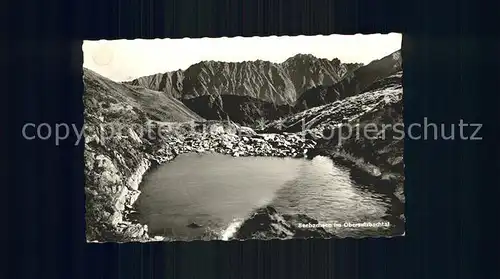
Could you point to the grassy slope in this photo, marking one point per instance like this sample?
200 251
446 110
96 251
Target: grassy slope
156 105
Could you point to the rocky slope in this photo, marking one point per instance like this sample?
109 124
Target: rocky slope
116 155
341 130
352 83
277 83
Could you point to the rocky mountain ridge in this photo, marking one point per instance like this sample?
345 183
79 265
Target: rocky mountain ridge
277 83
247 92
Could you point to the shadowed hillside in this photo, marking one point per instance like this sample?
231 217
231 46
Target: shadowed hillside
240 109
352 83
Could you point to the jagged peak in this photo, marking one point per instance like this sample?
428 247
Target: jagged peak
355 64
396 55
301 57
211 63
336 61
296 57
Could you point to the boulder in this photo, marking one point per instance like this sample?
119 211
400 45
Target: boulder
268 223
246 131
194 225
134 231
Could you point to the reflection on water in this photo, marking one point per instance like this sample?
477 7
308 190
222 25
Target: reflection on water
214 190
325 192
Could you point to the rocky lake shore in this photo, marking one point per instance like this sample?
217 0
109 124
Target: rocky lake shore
116 221
178 138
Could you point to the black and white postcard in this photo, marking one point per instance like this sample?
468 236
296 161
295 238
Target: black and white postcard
244 138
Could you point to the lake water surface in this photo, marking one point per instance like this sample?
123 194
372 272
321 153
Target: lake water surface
219 191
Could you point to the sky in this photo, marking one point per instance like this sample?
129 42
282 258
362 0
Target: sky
122 60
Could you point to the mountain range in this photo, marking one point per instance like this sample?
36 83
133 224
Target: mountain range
278 83
248 91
